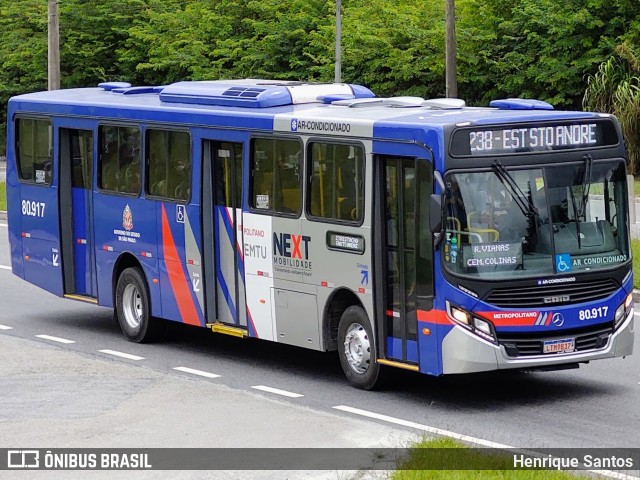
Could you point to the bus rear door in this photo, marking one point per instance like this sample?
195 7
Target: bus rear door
76 154
222 231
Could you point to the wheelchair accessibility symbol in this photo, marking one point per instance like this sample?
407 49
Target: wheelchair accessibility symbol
180 213
563 263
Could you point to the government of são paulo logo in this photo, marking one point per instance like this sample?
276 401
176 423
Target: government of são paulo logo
127 218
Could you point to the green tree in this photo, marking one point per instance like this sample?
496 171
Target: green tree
181 40
615 88
90 33
23 50
537 48
394 50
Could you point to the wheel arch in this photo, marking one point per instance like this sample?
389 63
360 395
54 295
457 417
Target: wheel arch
124 261
339 300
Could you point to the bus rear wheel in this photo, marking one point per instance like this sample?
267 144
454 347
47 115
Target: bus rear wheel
133 308
357 349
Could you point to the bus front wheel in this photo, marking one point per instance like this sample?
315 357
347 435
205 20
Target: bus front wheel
133 308
357 349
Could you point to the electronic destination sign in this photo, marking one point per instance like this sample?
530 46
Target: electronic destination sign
515 139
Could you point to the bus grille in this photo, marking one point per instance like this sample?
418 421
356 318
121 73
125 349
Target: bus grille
527 344
552 295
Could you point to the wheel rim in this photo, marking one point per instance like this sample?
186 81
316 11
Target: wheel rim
357 348
132 306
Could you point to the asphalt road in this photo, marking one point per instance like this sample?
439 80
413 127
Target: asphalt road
595 406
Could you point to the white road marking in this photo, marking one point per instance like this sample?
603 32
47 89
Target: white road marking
277 391
196 372
55 339
5 267
424 428
120 354
5 327
463 438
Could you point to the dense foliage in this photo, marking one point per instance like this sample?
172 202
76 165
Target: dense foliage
529 48
615 88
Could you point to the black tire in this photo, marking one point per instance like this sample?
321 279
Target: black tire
357 350
133 309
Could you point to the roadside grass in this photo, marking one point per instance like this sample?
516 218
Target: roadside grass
3 196
453 454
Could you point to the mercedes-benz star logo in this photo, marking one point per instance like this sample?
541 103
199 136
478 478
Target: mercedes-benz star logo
557 319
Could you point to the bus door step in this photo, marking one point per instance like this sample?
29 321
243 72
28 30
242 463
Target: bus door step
81 298
406 366
227 329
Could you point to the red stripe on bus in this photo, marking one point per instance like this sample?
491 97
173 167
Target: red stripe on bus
438 317
179 285
230 218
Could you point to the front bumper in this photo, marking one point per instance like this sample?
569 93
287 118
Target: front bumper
464 352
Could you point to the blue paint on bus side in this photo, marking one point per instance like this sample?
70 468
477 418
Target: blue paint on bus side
394 349
41 247
223 236
81 242
14 199
182 289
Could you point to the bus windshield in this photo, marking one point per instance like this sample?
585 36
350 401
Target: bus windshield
536 221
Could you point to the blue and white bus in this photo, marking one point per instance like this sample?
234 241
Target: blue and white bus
401 232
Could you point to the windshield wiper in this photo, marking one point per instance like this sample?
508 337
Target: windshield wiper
586 184
522 200
575 211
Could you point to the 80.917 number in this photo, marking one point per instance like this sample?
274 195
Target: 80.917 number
31 208
593 313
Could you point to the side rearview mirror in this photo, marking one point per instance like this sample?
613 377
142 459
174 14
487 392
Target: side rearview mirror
435 213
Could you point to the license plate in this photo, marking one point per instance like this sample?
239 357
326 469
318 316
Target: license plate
559 346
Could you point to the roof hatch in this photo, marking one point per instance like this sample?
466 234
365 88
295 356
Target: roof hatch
257 93
520 104
402 102
108 86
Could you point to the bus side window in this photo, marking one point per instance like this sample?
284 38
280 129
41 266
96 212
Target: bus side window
34 145
119 159
337 173
168 164
277 174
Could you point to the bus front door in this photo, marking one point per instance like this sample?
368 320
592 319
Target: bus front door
222 227
405 262
76 208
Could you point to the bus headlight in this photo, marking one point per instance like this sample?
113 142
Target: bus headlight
460 316
623 310
481 327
